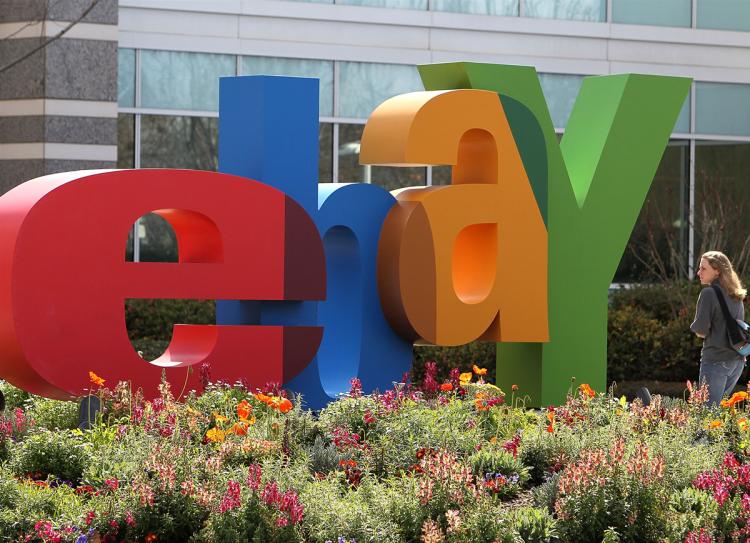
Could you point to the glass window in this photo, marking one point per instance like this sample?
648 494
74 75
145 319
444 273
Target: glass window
722 108
561 92
441 175
351 171
650 12
579 10
724 14
364 86
322 69
179 142
722 208
487 7
657 249
406 4
682 125
177 80
325 161
126 77
125 141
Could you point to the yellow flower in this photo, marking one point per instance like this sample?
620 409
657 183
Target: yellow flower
465 377
215 435
220 419
95 379
715 424
478 370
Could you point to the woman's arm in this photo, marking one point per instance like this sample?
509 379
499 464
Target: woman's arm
703 309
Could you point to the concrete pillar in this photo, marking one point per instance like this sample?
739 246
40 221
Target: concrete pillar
58 107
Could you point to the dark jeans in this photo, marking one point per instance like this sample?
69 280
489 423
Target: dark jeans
721 377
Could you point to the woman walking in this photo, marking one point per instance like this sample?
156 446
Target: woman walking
721 366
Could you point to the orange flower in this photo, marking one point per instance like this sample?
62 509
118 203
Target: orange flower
480 401
150 538
514 388
715 424
736 398
446 387
465 378
95 379
742 424
243 410
551 427
478 370
215 435
239 429
284 405
551 419
263 398
586 390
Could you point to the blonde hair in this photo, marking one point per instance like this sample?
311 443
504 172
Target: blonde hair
727 276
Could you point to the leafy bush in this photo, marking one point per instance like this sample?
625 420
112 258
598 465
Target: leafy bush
649 335
53 414
502 474
534 525
14 397
45 453
481 353
616 489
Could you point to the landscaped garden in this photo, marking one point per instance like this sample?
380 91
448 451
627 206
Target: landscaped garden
454 460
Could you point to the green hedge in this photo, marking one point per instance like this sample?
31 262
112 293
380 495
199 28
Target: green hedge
648 334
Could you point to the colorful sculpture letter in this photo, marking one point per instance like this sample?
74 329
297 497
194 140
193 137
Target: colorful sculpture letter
598 178
64 279
449 267
269 131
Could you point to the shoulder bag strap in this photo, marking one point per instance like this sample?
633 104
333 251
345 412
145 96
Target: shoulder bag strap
732 327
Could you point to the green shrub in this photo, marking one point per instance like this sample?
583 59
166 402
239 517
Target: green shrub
534 525
155 318
45 453
481 353
53 414
691 509
543 452
28 503
616 488
14 397
503 474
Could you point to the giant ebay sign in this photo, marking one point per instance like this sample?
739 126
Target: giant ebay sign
318 283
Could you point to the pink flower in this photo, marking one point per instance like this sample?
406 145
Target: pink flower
254 474
231 499
356 387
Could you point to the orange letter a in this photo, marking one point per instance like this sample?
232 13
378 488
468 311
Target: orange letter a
466 261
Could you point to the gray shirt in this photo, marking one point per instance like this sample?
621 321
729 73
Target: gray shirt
710 322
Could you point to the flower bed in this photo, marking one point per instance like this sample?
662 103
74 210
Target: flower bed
452 461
